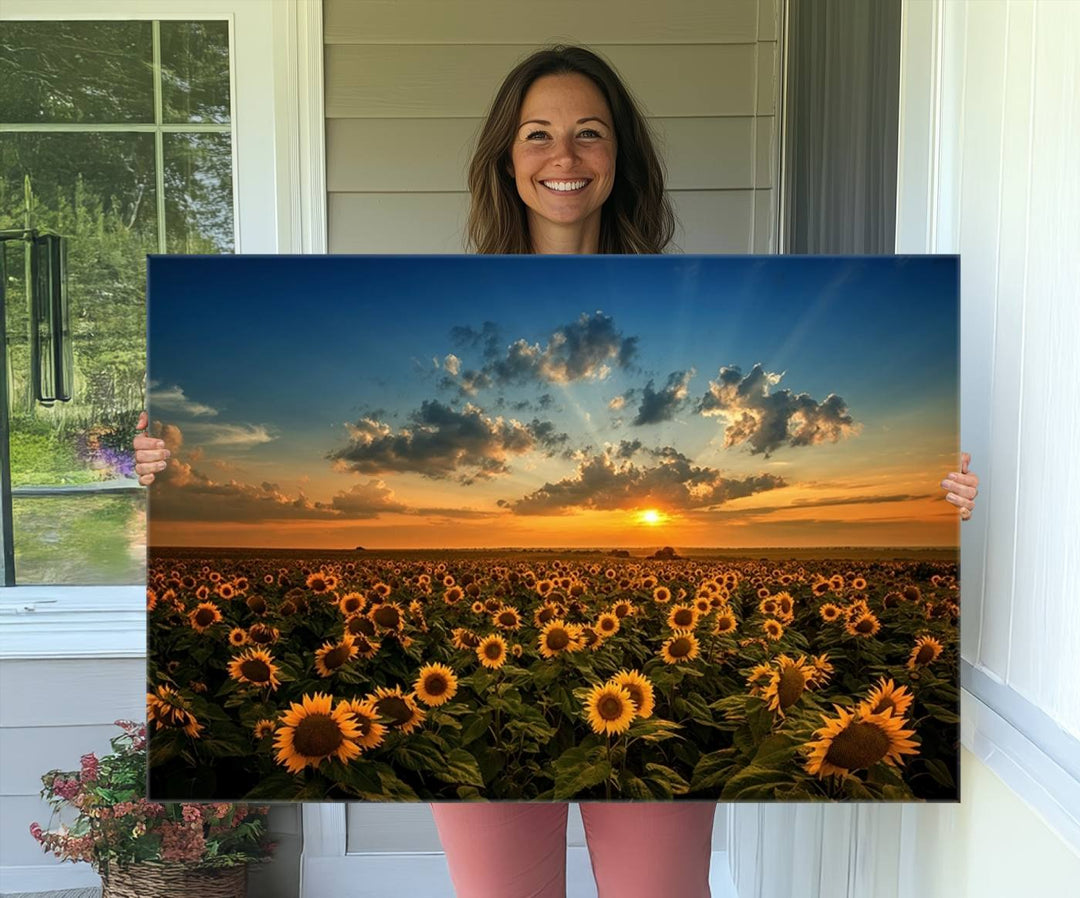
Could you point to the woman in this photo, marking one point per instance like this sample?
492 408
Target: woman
565 164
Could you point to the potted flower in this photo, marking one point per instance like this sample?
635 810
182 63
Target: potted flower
142 847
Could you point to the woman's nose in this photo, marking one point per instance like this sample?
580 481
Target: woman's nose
564 150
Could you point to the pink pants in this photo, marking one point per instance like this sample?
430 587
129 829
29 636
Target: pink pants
638 850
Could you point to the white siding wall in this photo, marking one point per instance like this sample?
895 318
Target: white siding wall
408 83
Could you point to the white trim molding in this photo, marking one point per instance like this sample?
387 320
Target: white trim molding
39 622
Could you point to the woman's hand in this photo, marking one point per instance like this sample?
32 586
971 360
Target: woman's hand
961 487
150 454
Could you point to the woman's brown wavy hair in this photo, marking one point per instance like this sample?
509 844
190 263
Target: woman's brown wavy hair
637 216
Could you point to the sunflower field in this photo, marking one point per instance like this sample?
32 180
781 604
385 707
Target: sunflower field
516 676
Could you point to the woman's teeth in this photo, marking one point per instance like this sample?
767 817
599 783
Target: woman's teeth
564 186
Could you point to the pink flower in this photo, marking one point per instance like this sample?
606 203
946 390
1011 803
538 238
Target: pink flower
36 832
65 788
192 813
89 767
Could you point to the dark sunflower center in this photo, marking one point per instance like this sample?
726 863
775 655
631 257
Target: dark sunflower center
204 617
865 625
256 670
610 707
637 696
791 685
558 639
507 619
318 585
684 617
337 656
680 647
352 605
316 736
363 723
493 651
435 684
858 746
724 623
260 635
394 709
883 705
607 624
360 625
257 604
545 615
621 610
926 653
386 616
470 639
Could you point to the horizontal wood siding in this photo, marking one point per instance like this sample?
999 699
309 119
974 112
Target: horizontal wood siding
408 83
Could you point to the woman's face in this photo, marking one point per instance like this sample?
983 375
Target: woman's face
563 154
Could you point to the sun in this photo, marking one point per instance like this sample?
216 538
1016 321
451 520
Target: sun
650 516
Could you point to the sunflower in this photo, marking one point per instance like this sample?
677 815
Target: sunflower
866 625
312 731
640 689
661 594
255 666
358 625
351 603
822 670
886 695
859 583
507 618
682 645
256 604
477 607
435 684
773 629
830 612
335 655
225 590
558 636
264 728
787 684
607 624
492 651
622 609
725 623
610 709
398 708
820 587
857 740
389 615
545 614
453 595
926 651
319 583
703 605
238 636
836 582
366 717
261 634
167 707
382 590
682 617
760 673
462 638
204 616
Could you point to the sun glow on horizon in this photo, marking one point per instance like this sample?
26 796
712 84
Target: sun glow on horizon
652 517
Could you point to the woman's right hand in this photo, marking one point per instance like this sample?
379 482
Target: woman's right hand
150 453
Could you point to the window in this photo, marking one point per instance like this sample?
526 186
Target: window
117 136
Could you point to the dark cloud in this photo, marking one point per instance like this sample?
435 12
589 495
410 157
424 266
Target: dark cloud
585 349
661 405
442 442
768 420
608 481
823 503
366 500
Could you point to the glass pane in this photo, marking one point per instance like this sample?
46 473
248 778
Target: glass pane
76 72
198 193
81 540
195 71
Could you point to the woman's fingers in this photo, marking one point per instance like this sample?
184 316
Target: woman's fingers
150 453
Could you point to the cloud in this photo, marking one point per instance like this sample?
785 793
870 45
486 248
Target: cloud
584 349
452 364
366 500
610 481
234 435
766 421
617 403
661 405
172 402
797 504
442 442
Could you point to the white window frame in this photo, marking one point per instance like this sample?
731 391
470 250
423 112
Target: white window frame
279 198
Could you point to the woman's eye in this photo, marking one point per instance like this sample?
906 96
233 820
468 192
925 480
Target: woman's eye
589 132
536 135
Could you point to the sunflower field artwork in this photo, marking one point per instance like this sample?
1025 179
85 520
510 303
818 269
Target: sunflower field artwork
553 528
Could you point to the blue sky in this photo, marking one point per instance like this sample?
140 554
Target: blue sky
263 366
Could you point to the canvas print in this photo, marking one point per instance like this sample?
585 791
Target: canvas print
564 527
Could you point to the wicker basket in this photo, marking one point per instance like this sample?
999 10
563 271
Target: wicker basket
150 880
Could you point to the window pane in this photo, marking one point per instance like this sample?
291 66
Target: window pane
195 71
81 540
198 193
76 72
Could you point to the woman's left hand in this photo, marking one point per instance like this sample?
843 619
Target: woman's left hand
961 488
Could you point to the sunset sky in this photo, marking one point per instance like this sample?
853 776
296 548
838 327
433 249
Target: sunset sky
469 401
